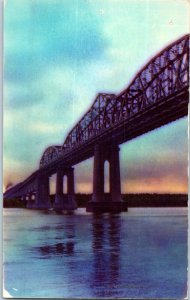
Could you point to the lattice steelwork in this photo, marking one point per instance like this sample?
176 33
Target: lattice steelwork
92 122
166 74
50 154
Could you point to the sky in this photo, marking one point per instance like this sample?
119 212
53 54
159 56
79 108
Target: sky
58 54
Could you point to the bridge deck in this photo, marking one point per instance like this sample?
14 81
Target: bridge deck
157 96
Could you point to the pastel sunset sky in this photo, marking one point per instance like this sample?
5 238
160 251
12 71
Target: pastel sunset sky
58 54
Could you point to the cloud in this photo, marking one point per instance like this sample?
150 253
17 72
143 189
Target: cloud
45 128
60 54
14 170
167 184
46 33
165 141
138 30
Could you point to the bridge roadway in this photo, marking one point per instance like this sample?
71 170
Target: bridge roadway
157 96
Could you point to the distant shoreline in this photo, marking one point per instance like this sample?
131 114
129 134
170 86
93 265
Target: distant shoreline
133 200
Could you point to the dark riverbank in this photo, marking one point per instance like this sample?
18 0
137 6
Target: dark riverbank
133 200
156 200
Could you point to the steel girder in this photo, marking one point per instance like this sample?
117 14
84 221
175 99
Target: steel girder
157 95
165 74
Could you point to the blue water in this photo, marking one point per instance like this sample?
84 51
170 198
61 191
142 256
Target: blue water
81 255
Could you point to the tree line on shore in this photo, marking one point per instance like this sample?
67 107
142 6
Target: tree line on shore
133 200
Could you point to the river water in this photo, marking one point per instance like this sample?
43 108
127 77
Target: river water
138 254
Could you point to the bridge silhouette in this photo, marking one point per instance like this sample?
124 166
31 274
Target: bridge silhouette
158 95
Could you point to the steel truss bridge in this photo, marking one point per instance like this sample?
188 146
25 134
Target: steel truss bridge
158 94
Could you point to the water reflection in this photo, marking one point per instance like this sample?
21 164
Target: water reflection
106 251
114 240
60 248
65 234
95 256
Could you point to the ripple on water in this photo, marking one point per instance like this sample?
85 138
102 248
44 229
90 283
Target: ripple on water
85 255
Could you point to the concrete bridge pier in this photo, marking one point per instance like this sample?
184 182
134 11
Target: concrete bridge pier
71 203
117 204
99 202
98 175
58 204
65 201
42 200
31 200
27 198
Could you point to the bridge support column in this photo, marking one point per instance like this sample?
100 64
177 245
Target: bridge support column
65 201
115 181
42 200
58 204
98 175
100 202
27 199
31 201
71 205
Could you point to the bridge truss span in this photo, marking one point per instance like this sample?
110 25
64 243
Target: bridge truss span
158 94
93 121
50 154
165 75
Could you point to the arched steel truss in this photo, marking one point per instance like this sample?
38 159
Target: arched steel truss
50 154
165 74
